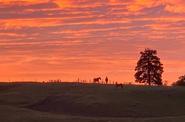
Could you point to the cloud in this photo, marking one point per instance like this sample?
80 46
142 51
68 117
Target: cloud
19 23
86 38
60 3
172 6
63 3
22 1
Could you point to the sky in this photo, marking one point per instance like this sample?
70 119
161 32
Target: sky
71 39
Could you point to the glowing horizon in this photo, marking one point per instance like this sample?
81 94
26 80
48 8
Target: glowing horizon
71 39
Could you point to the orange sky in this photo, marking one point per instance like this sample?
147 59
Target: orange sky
67 39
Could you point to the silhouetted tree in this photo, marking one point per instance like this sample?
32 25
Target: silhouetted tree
180 82
149 68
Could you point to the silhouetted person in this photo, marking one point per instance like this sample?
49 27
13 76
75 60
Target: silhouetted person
106 80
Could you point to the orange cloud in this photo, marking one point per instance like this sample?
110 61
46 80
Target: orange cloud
60 3
20 1
63 3
95 37
19 23
138 5
174 6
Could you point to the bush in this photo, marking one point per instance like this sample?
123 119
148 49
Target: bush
180 82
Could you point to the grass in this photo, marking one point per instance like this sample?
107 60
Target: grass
72 102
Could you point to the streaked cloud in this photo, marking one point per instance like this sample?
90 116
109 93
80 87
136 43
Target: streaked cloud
80 38
173 6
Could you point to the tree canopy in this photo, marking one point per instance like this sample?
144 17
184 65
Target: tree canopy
149 69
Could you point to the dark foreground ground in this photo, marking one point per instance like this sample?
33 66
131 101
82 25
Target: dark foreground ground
71 102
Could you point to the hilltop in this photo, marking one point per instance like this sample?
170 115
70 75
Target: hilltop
90 102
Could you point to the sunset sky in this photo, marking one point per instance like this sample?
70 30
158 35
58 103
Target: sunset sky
70 39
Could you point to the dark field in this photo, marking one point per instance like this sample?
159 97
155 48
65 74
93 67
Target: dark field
72 102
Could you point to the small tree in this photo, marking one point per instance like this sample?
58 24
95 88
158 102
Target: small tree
149 68
180 82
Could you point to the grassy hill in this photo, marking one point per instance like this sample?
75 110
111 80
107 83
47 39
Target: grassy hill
72 102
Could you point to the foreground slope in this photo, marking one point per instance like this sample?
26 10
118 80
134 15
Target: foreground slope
90 102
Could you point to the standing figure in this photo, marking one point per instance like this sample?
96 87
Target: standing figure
106 80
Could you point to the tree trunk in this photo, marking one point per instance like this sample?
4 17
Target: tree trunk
149 77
